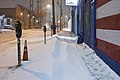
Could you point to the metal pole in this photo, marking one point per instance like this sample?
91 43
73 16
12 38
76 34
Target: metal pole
61 15
51 32
57 23
44 37
38 5
40 11
19 52
53 10
49 20
30 13
30 16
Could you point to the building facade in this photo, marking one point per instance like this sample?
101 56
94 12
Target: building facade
11 15
97 23
108 32
7 16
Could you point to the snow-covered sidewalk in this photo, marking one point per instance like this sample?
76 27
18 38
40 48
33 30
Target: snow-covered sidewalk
61 59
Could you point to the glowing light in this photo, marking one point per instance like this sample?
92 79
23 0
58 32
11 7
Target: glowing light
21 13
66 16
3 15
58 21
37 21
33 16
48 6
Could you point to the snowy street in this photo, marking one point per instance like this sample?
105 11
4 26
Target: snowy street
8 47
60 59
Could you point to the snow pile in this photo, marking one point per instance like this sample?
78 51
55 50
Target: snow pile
67 39
65 64
66 29
5 30
95 65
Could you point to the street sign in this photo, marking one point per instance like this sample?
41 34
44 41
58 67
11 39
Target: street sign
71 2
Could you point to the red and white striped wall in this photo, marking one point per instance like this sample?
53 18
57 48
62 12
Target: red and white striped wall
108 28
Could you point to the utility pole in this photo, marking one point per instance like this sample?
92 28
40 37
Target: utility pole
61 15
49 19
57 24
53 11
30 13
31 5
38 12
64 21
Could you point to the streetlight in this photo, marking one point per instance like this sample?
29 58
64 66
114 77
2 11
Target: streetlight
37 21
3 15
57 24
33 17
22 18
58 21
66 16
66 20
21 13
28 18
48 9
28 15
48 6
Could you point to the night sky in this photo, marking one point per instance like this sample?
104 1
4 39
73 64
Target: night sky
26 3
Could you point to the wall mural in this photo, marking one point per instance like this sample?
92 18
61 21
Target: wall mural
87 21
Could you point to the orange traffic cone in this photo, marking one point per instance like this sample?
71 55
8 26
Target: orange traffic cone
25 53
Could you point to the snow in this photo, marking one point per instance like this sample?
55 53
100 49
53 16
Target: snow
66 29
67 39
5 30
96 66
60 59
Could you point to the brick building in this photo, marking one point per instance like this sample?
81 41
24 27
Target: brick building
18 13
108 32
